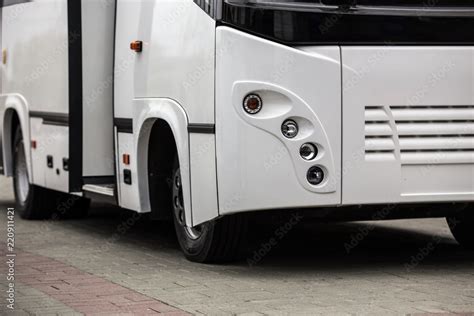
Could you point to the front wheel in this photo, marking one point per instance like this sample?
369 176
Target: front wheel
221 240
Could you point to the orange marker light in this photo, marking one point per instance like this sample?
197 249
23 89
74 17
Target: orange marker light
137 46
33 144
126 159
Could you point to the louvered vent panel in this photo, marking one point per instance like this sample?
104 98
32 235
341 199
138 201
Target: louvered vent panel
435 134
379 141
420 134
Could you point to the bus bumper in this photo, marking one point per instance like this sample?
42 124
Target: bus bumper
391 124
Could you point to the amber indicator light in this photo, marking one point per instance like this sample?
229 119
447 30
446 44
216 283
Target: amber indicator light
137 46
126 159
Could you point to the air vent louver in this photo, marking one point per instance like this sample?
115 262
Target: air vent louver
420 134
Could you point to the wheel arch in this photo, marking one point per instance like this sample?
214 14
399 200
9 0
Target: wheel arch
162 151
16 114
162 114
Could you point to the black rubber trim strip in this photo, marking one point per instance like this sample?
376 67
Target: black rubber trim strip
50 118
74 12
53 123
124 125
202 128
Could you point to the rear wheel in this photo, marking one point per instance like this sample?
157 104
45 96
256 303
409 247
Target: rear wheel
33 202
221 240
462 227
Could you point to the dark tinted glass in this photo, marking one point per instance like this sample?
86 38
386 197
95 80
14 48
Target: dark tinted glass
418 3
399 22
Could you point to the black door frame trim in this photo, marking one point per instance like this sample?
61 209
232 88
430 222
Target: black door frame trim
74 12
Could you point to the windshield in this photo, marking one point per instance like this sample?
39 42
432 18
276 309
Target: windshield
355 22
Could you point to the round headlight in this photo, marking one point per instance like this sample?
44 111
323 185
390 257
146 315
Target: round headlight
289 128
253 104
308 151
315 175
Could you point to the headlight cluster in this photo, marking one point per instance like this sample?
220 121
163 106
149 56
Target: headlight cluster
253 104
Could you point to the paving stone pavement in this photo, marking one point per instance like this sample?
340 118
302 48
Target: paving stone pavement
398 267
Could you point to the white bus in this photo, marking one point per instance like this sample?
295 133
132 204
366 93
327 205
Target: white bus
209 111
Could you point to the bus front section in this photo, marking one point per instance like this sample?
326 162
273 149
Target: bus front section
330 103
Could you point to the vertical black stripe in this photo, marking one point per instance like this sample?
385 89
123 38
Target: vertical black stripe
74 8
115 137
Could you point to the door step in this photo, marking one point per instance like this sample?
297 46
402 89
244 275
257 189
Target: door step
101 192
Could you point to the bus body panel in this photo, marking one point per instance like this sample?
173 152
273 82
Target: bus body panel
127 20
37 156
178 59
145 113
35 72
408 117
54 143
175 69
35 39
98 33
128 194
258 168
202 160
126 29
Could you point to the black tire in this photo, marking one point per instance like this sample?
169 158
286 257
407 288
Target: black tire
36 203
218 241
462 227
32 202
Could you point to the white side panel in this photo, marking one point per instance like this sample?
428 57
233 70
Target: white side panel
203 177
178 56
51 141
38 156
35 36
257 167
408 124
127 28
98 22
146 111
55 140
128 194
35 75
